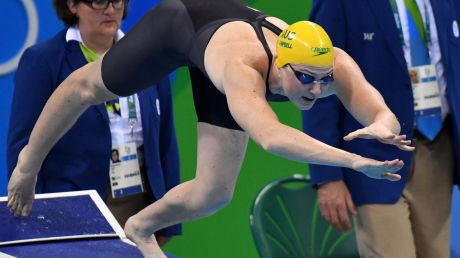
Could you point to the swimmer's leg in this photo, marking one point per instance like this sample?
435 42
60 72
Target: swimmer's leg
220 155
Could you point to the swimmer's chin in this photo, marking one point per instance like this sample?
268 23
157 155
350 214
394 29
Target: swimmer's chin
307 103
305 107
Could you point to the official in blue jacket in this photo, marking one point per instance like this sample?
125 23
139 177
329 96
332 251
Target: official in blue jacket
410 217
81 159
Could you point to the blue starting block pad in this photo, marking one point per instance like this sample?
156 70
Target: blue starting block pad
58 216
71 225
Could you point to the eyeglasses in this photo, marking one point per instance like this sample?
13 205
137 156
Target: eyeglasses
308 79
103 4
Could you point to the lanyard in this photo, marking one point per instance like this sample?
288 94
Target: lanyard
132 107
132 112
414 11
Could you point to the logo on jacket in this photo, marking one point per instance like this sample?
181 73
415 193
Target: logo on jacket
369 36
455 28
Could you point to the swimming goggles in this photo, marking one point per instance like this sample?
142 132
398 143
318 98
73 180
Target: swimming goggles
308 79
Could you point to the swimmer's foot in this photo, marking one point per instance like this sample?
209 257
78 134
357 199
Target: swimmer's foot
146 243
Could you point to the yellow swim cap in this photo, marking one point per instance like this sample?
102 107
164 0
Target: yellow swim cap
306 43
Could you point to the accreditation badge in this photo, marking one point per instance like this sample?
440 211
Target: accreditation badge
125 175
425 88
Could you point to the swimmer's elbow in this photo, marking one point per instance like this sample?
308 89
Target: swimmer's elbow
275 139
84 87
273 146
268 145
268 141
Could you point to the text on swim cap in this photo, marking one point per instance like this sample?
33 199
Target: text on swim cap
285 44
287 34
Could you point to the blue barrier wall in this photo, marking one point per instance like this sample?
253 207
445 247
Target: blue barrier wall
14 32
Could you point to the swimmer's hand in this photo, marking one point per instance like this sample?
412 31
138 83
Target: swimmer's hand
378 169
383 134
21 189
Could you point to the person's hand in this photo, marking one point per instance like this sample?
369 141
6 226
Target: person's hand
378 169
335 201
162 240
383 134
21 189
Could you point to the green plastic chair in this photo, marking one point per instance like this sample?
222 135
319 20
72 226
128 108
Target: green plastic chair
286 222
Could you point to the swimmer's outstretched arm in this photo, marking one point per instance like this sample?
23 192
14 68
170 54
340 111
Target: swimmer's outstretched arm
245 91
366 104
83 88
